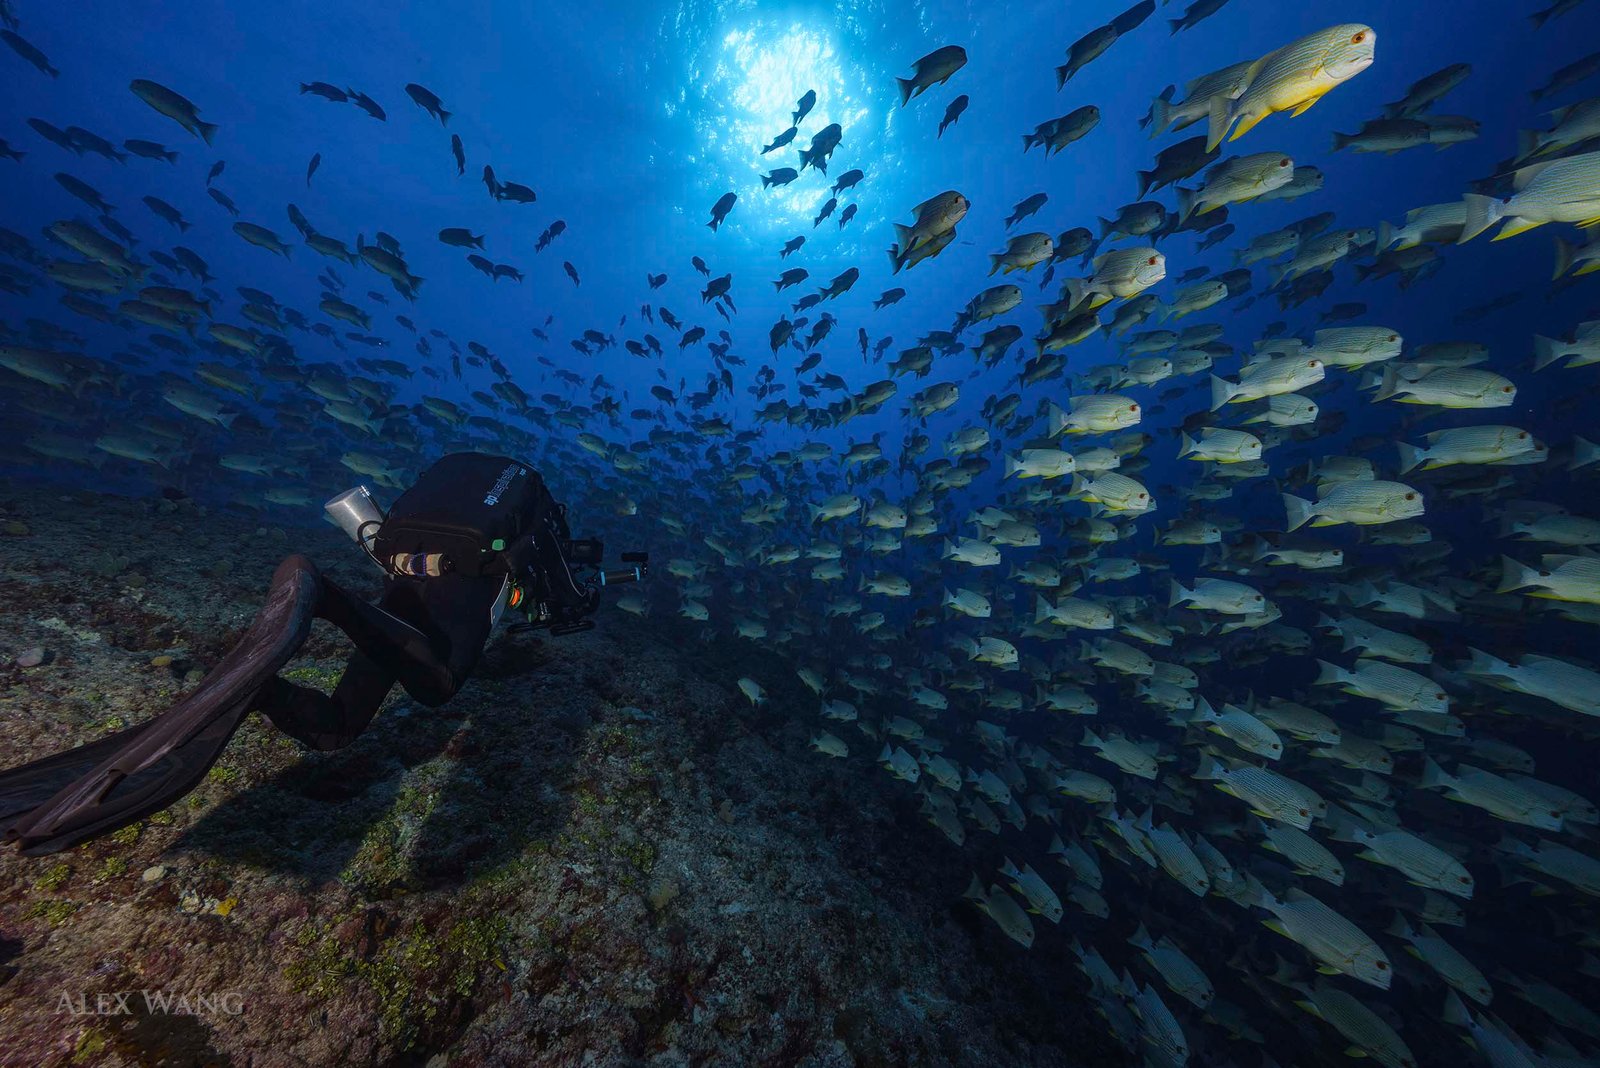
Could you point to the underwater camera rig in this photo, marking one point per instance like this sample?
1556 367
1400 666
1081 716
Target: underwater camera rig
473 514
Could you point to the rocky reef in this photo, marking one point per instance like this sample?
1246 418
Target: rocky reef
598 854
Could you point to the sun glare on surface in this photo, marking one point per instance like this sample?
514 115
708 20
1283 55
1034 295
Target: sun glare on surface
752 87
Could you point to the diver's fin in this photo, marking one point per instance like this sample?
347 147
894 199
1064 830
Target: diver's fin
25 788
145 768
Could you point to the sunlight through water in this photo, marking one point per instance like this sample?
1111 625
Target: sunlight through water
752 85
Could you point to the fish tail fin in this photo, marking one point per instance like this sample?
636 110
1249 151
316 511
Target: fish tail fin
995 260
1107 225
974 890
207 129
1455 1010
1389 385
1299 511
1527 144
1482 213
444 117
1041 612
1329 674
1385 235
1177 26
1546 351
1481 663
1063 73
1516 576
1222 391
1565 252
1410 455
1433 775
1186 445
1160 115
1178 594
1146 180
1186 202
1220 117
907 87
1584 452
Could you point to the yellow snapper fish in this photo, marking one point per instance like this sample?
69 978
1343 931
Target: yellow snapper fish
1373 640
1361 503
1221 446
1448 962
1338 945
1040 463
1564 190
1558 577
1394 686
1118 275
1182 975
1236 180
1042 901
1096 413
1267 378
1114 492
1367 1032
1239 727
1305 854
830 745
1124 753
1218 595
1292 79
1494 794
1003 910
1568 685
1269 794
1179 861
1499 445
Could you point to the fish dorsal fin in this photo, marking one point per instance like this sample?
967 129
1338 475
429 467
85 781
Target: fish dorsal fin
1523 175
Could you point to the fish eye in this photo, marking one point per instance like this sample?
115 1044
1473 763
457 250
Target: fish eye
1284 162
1394 337
1383 965
1438 697
1358 38
1303 812
1152 261
1506 389
1411 496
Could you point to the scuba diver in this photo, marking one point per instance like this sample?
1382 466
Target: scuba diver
474 535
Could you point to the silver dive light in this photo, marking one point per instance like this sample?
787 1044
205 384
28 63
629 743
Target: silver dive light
357 514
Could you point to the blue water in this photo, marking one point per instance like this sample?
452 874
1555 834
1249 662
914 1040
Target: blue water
631 120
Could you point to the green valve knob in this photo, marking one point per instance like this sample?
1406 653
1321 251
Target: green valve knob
498 544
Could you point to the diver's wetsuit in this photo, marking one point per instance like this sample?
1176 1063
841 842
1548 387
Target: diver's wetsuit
451 614
487 520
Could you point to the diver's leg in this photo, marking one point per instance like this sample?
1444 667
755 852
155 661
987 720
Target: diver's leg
328 721
426 634
460 608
